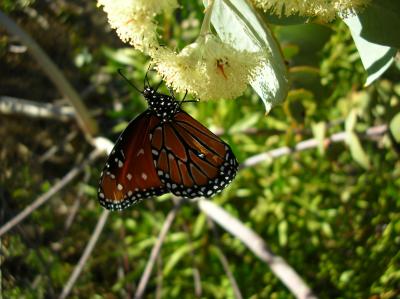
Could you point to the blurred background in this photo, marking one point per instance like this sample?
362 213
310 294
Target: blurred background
331 211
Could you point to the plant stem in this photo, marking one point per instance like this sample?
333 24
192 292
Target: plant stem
205 26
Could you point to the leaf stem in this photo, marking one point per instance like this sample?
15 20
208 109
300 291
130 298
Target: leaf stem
206 25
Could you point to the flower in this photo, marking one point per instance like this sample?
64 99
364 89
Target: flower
324 9
208 68
134 19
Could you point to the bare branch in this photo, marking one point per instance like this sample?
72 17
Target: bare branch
46 196
11 105
307 144
224 261
87 124
86 253
256 244
155 251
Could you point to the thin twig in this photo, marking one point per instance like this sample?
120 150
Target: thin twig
224 261
75 207
46 196
256 244
11 105
87 124
85 256
196 273
155 251
307 144
195 270
159 277
55 148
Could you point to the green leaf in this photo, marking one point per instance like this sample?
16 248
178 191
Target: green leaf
351 121
319 130
238 24
245 123
381 23
375 58
283 232
357 152
179 254
395 127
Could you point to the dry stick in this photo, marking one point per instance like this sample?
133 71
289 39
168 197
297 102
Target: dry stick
88 250
75 207
307 144
159 278
46 196
224 261
49 153
257 245
156 250
196 273
87 124
11 105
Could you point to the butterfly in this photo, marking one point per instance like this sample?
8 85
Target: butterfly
164 150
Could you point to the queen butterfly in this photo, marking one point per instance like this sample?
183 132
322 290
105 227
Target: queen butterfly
164 150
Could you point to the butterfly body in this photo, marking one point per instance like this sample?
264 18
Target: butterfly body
165 150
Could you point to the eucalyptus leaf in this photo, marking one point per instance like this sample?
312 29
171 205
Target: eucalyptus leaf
319 130
381 23
351 121
395 127
375 58
238 25
357 152
178 255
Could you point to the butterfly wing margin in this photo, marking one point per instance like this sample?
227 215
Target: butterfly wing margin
129 174
190 160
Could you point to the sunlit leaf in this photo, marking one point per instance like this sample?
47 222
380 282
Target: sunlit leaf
319 130
381 22
375 58
357 152
395 127
179 254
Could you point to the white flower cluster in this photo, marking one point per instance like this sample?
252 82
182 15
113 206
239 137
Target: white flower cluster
325 10
208 68
134 19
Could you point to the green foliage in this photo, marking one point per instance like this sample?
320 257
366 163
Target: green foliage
332 212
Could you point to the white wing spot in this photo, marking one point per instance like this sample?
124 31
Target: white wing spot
140 152
120 164
129 176
144 176
119 187
101 195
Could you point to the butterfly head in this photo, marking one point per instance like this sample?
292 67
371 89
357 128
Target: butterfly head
164 106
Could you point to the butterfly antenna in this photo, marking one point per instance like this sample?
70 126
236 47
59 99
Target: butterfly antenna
189 101
146 80
127 80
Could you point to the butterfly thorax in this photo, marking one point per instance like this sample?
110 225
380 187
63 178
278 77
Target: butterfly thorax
164 106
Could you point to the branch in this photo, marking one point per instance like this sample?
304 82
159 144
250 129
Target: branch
155 251
224 261
307 144
86 253
11 105
87 124
46 196
256 244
